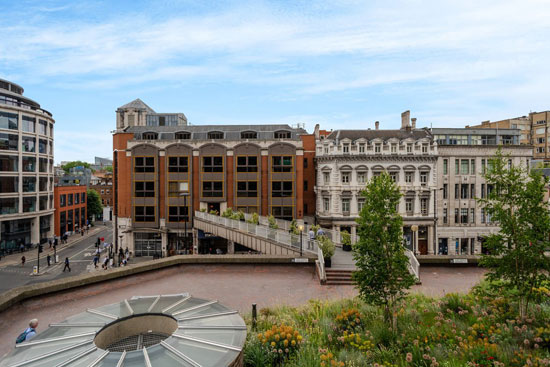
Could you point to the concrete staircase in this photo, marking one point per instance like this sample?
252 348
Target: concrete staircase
338 276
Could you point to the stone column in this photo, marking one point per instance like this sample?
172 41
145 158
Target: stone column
195 241
431 249
353 234
35 230
164 243
230 247
264 210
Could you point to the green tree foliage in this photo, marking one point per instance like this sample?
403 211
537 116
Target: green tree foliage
517 252
94 203
327 246
67 167
108 169
382 275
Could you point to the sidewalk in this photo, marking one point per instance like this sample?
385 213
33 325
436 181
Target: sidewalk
31 255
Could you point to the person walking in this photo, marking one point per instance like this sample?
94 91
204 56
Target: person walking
96 260
311 236
29 332
66 264
50 242
49 259
105 263
23 260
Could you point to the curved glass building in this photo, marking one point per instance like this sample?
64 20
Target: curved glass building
26 170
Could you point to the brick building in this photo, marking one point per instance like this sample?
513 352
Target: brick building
102 183
164 170
70 208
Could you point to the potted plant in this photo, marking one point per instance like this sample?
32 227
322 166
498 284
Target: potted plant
294 233
346 241
228 213
238 216
327 246
254 219
272 222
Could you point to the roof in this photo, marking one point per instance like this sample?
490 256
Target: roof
137 104
368 134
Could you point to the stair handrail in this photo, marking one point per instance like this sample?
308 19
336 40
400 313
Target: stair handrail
321 261
414 265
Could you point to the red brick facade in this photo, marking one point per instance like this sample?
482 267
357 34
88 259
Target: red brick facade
70 208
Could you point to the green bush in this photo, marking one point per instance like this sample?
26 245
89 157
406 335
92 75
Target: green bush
272 222
254 219
327 246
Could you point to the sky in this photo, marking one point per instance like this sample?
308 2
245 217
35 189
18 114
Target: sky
342 64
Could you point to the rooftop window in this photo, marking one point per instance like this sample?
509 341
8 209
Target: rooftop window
249 135
215 135
283 134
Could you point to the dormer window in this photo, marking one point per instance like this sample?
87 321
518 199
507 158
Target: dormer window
409 148
215 135
346 148
424 148
184 135
377 148
249 135
282 134
361 148
394 148
150 136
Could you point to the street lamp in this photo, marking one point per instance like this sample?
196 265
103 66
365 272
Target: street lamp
301 228
184 191
414 229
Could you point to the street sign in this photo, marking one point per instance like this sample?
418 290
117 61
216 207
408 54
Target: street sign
301 260
459 261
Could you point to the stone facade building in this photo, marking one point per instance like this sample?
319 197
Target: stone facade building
26 169
164 170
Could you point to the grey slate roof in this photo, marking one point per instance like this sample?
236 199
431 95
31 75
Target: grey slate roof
137 104
400 134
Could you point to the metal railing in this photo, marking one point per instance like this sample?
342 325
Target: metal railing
414 265
321 260
277 235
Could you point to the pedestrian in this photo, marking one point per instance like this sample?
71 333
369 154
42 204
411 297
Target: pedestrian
311 236
104 223
22 248
23 260
82 232
127 253
320 232
66 264
105 263
29 332
96 260
55 242
50 242
49 259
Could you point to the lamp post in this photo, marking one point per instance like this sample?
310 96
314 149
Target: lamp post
301 228
184 191
414 229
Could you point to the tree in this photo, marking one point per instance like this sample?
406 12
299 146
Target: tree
516 253
108 169
94 203
382 274
67 167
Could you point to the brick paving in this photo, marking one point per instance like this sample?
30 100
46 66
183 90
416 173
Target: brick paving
236 286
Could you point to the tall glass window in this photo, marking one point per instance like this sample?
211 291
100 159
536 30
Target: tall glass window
28 124
9 163
29 204
9 142
43 184
43 165
42 146
29 184
29 144
9 205
42 127
29 164
9 184
8 121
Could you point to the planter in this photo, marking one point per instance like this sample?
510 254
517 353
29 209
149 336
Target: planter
328 262
346 247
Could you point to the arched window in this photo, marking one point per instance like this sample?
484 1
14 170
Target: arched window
249 135
215 135
150 135
183 135
282 134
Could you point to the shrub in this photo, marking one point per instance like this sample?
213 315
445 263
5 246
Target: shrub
281 341
349 319
327 246
272 222
254 219
228 213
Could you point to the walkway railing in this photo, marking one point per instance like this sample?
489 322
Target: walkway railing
414 265
321 260
277 235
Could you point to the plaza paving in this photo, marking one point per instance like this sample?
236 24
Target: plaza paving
236 286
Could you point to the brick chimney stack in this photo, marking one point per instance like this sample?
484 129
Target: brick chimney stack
377 125
405 119
413 122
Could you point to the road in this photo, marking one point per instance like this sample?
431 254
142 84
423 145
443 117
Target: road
80 257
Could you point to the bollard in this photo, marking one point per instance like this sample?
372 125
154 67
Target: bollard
254 316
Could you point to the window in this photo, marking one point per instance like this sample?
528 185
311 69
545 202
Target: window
178 164
70 199
83 197
393 148
464 215
212 164
483 166
409 177
409 205
326 204
445 191
457 216
305 185
305 162
29 184
9 163
29 164
472 215
326 177
445 166
144 164
9 206
346 177
473 167
423 178
62 200
215 135
150 136
345 205
464 166
28 144
249 135
482 191
281 189
42 146
9 184
42 203
457 171
247 189
424 206
361 177
28 124
394 176
409 148
42 127
102 192
282 134
377 148
281 163
472 191
8 121
29 204
144 214
212 189
346 148
464 188
360 204
457 189
144 189
76 199
247 163
361 148
326 149
9 142
183 135
540 140
424 148
178 214
445 216
282 212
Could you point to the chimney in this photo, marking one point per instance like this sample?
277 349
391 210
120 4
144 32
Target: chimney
413 122
405 119
377 125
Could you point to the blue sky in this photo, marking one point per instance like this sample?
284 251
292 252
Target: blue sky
342 64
